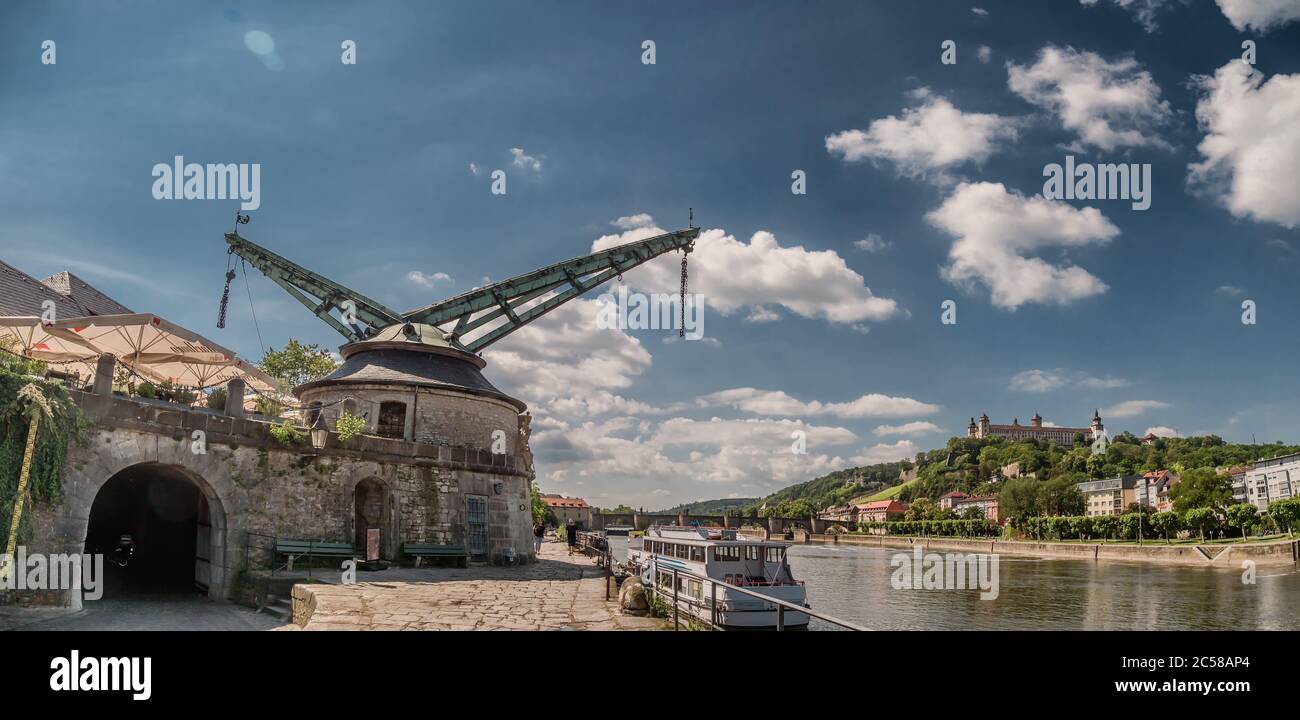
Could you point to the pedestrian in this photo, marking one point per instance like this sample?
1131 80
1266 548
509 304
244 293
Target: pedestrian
539 532
572 530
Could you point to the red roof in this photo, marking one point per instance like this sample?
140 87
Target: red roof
954 494
564 502
880 505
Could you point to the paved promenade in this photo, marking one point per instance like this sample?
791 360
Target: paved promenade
557 593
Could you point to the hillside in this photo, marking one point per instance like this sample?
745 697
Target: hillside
709 507
972 465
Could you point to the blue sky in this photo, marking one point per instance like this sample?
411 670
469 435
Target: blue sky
366 178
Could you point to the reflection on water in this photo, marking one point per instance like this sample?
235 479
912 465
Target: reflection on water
852 583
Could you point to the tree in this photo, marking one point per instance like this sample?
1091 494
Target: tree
921 509
1202 488
539 508
1166 523
972 513
1019 498
1285 513
1201 519
298 363
1243 516
1059 496
36 407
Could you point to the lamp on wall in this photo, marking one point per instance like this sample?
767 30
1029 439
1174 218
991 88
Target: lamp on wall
320 432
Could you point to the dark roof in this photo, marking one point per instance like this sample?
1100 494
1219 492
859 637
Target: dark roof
85 296
411 367
22 294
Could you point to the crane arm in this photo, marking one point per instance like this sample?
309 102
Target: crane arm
567 280
320 294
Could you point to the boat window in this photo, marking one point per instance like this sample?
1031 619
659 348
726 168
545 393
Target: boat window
774 554
724 553
697 553
683 551
751 552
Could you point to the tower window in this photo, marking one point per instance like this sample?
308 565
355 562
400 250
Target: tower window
392 420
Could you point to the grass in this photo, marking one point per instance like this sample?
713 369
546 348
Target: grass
888 493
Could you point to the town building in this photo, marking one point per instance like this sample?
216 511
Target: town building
950 500
1036 430
1271 480
841 513
565 509
1237 475
1111 496
987 504
881 510
69 295
1153 492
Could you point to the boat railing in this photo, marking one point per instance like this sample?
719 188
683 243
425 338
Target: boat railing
715 608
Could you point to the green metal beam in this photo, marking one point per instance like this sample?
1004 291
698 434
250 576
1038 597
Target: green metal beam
300 282
507 297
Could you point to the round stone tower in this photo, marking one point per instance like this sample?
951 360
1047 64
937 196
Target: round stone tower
410 383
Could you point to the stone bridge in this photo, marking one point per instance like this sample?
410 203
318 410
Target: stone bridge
772 525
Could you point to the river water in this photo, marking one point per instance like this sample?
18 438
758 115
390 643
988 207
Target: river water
853 583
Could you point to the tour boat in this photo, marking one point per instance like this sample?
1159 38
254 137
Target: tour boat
718 554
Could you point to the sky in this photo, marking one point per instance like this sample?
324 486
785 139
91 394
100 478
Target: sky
825 327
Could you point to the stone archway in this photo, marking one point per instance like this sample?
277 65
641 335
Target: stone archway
178 528
372 508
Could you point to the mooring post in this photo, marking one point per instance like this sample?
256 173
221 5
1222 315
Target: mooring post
105 366
235 398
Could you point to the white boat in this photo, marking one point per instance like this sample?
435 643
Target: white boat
759 566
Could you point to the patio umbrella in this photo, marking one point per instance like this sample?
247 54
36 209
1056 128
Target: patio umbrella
153 347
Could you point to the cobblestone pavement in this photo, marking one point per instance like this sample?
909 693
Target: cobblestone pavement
556 593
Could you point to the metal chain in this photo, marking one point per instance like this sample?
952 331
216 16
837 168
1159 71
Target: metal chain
681 327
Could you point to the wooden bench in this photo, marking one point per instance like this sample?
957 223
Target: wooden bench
433 550
312 548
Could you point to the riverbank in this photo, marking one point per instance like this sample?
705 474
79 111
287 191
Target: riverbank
1273 554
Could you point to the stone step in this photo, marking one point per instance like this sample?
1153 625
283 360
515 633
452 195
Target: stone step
279 606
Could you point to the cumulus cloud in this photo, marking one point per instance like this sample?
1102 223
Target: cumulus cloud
1108 105
1262 15
871 243
882 453
1143 10
428 279
524 161
1130 408
1251 147
981 12
1037 381
632 222
760 314
930 139
778 402
1162 431
918 427
732 274
996 229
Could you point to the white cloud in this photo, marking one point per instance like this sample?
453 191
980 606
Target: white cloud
473 168
1230 290
524 161
918 427
733 275
984 54
778 402
632 222
1045 380
760 314
871 243
1107 104
1262 15
1143 10
996 229
929 140
980 11
1130 408
1251 148
882 453
1162 431
428 280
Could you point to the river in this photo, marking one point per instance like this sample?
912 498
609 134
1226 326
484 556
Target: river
853 583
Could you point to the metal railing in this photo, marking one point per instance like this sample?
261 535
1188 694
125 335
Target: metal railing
716 610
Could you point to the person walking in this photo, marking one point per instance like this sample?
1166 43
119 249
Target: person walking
572 531
539 532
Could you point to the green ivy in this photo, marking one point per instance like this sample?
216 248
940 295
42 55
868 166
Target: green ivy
52 438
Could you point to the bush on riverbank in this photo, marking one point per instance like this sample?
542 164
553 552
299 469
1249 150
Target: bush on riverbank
945 528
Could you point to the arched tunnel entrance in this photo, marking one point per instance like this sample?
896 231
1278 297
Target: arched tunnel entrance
159 532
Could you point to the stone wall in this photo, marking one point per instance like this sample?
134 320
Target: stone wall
258 489
435 417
